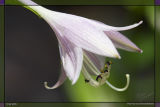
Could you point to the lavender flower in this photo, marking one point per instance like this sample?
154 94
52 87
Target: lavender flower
84 44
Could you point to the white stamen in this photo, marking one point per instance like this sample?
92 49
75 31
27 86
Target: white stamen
91 65
88 77
120 89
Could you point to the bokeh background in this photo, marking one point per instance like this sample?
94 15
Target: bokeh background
32 57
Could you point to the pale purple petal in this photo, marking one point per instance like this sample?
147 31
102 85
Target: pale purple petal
79 63
97 43
123 28
98 61
85 36
72 59
28 2
60 81
120 41
52 16
105 27
77 30
84 33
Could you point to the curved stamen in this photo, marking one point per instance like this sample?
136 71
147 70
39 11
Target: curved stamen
89 78
91 65
120 89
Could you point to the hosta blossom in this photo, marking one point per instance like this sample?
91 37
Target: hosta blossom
84 44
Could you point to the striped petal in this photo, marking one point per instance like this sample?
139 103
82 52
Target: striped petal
120 41
79 31
84 35
97 60
72 58
60 81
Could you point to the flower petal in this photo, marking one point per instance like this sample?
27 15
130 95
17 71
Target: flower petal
124 28
28 2
86 36
120 41
60 81
86 33
72 59
79 30
93 63
105 27
98 61
48 15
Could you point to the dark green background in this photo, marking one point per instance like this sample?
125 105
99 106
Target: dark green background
1 53
87 2
157 57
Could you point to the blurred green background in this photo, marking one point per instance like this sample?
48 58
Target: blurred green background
87 2
80 104
32 57
1 53
157 58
